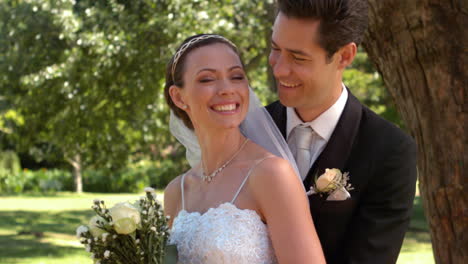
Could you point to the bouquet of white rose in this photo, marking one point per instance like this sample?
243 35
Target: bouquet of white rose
128 233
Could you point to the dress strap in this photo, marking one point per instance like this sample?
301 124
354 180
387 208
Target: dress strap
247 177
182 190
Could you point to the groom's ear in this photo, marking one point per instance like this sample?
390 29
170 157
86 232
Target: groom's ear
177 97
346 55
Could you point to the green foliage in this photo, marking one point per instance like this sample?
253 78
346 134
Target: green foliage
88 72
40 181
246 22
9 162
129 179
9 165
86 77
132 178
367 85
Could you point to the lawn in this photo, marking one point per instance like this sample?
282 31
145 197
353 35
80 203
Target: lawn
41 230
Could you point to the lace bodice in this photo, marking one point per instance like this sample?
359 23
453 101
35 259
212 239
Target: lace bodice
225 234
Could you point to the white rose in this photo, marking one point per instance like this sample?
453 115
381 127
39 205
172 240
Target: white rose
126 218
80 230
326 182
95 230
137 205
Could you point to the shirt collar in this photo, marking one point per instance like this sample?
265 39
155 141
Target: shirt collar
325 123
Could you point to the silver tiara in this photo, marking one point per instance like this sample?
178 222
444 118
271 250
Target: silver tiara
184 47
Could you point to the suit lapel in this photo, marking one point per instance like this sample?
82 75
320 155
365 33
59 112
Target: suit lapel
339 146
278 114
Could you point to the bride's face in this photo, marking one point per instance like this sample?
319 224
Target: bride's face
216 88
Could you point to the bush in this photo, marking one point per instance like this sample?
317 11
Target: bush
124 180
47 181
165 171
132 178
11 182
40 181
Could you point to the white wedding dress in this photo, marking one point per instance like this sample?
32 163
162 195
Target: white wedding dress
225 234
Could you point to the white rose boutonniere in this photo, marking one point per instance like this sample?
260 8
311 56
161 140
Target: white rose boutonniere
333 183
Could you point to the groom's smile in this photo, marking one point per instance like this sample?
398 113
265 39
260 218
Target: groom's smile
306 77
289 85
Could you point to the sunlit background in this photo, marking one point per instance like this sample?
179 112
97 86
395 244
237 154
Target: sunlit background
81 98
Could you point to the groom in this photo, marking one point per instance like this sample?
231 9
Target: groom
313 41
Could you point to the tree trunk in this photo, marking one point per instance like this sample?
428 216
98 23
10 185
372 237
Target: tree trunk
420 48
77 167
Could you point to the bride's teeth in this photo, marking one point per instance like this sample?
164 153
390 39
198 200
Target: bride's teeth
224 108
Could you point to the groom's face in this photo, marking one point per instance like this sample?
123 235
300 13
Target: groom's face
306 79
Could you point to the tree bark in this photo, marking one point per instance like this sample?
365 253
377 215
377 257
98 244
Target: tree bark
77 168
420 48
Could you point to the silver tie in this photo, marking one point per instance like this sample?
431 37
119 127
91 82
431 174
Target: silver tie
304 136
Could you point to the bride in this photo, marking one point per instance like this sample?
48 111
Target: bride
239 203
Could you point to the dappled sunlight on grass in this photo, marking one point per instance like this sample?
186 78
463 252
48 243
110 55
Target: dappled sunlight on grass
63 201
62 240
30 249
57 222
417 247
41 229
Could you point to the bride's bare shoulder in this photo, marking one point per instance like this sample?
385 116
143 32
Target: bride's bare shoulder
173 187
172 196
274 172
274 166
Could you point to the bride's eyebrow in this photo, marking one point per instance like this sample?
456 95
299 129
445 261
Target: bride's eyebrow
235 67
206 69
213 70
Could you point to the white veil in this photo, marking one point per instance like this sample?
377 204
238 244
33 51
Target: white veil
258 126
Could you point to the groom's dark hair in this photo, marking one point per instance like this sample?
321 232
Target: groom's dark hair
341 21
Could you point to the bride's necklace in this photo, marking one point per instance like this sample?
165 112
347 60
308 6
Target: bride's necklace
209 178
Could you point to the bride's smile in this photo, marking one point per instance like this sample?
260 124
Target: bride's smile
236 191
226 108
215 89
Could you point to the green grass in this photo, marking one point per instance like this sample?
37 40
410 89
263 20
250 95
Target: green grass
417 247
54 220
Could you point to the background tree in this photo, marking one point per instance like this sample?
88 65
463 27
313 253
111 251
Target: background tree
420 47
81 80
84 75
85 78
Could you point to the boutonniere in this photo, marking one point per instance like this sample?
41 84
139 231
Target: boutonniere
332 183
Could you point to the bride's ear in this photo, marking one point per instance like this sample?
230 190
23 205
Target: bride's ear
177 97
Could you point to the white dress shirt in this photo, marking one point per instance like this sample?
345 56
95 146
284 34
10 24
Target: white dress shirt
322 126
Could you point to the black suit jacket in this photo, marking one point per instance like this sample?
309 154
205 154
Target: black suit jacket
381 161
